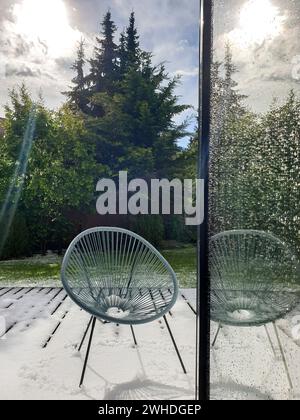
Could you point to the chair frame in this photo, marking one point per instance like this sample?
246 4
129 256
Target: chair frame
105 317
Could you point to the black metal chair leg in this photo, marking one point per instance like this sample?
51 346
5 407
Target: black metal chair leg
283 358
270 341
175 345
217 335
87 351
133 335
85 333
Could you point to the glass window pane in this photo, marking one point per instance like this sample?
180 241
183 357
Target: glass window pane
254 186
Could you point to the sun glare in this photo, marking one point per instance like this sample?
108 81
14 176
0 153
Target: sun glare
47 22
259 21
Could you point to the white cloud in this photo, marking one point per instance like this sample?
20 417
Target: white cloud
43 49
34 36
188 72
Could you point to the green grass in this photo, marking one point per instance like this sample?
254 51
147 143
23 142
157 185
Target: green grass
38 270
45 270
183 261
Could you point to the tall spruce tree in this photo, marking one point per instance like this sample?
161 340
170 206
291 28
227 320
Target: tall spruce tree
130 54
122 55
132 43
78 93
233 100
103 72
133 105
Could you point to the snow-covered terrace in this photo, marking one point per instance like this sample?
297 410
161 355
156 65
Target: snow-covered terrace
39 356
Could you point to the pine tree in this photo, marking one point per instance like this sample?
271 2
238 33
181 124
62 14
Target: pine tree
132 106
78 94
148 105
232 98
122 55
130 54
104 64
132 43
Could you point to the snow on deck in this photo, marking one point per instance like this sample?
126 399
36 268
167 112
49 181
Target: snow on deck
41 330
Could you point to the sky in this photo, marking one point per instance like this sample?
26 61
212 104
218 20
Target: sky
38 41
264 37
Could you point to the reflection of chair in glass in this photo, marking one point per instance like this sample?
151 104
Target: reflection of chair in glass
117 276
254 281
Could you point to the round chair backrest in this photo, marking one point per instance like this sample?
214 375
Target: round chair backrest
254 278
118 276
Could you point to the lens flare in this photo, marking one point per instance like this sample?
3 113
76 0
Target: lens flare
259 21
10 205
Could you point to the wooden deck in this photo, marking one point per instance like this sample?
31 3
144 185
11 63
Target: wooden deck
23 306
52 322
41 330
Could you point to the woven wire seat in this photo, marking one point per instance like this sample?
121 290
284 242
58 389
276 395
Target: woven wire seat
254 278
117 276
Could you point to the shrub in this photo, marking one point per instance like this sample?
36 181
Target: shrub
149 227
18 243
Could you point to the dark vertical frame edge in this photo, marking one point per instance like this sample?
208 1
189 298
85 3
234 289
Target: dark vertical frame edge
203 280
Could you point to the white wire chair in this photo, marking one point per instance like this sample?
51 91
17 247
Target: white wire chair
119 277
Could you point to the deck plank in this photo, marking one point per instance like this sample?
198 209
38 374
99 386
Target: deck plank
22 307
